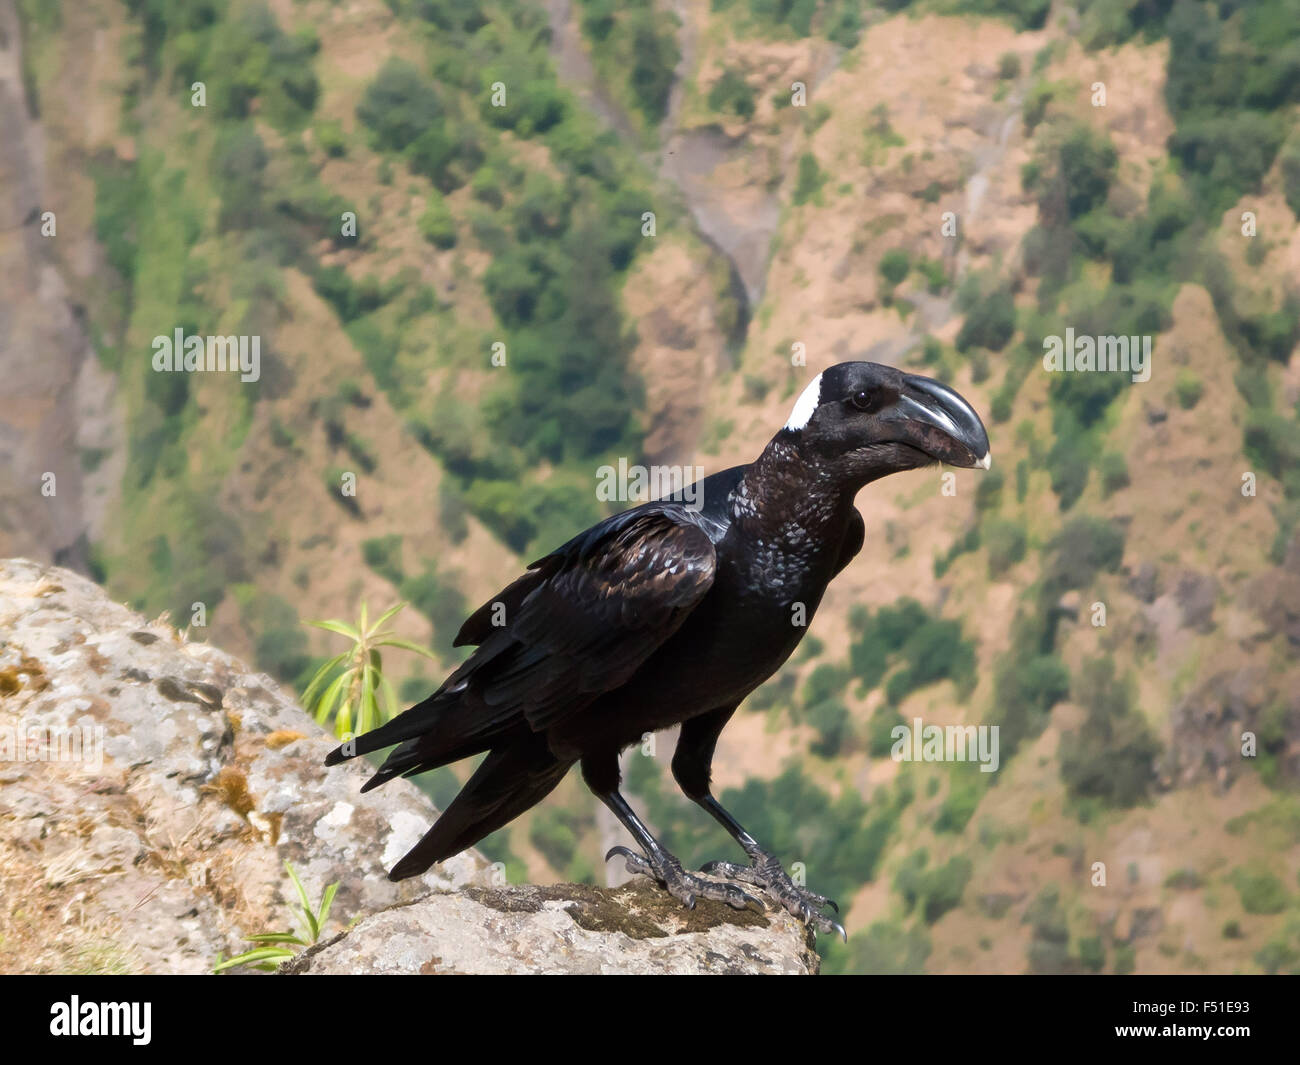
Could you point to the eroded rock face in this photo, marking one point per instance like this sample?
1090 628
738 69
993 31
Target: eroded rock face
152 788
565 928
170 847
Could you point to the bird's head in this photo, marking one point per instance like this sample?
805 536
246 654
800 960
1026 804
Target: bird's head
861 421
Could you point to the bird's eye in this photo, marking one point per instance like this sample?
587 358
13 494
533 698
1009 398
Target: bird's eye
861 400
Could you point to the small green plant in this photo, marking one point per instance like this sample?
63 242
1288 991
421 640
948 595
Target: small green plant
810 179
1188 388
732 93
1261 892
273 948
894 266
437 225
331 138
351 687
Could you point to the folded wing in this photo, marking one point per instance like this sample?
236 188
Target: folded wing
578 624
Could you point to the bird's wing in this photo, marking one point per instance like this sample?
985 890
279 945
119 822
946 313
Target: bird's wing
584 618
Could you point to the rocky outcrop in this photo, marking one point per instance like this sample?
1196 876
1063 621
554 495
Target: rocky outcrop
565 928
152 788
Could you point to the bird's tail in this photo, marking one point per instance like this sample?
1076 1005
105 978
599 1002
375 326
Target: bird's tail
416 721
429 735
510 780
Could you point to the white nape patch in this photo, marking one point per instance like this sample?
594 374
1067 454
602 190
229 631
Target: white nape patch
805 404
987 460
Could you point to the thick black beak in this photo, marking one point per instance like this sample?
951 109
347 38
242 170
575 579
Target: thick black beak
931 417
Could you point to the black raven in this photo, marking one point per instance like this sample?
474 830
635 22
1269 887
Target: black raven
669 614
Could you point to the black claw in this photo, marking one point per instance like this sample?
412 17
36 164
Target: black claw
620 850
833 905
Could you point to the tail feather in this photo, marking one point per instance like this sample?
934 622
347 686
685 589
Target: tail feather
510 780
416 721
422 754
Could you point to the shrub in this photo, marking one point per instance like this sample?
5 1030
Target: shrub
1188 389
938 890
331 138
383 554
280 646
1110 757
1232 152
1068 467
732 93
1004 543
1261 892
990 318
452 512
437 599
1092 953
988 492
827 681
437 225
239 157
1273 441
1049 946
895 265
1086 163
809 179
880 734
655 57
399 105
1027 682
934 651
832 721
1084 547
966 787
1114 473
1291 175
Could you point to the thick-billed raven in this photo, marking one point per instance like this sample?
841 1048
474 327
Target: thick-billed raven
669 614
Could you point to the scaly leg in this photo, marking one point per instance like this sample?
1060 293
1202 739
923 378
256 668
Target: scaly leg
655 861
691 768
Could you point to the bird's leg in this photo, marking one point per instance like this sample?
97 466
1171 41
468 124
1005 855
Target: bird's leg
766 871
657 863
691 768
601 772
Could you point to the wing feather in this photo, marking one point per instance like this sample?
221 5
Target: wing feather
583 619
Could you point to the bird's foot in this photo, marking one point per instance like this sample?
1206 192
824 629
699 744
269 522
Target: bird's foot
765 871
683 886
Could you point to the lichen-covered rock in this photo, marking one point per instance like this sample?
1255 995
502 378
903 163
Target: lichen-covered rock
151 789
565 928
161 844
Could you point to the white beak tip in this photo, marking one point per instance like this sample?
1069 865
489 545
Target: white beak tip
987 460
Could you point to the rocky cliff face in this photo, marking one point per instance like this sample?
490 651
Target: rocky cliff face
151 789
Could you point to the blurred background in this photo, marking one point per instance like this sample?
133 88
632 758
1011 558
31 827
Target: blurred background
676 214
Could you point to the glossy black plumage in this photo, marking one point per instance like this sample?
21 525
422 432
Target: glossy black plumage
666 615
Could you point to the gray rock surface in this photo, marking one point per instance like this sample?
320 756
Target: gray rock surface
152 788
565 928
